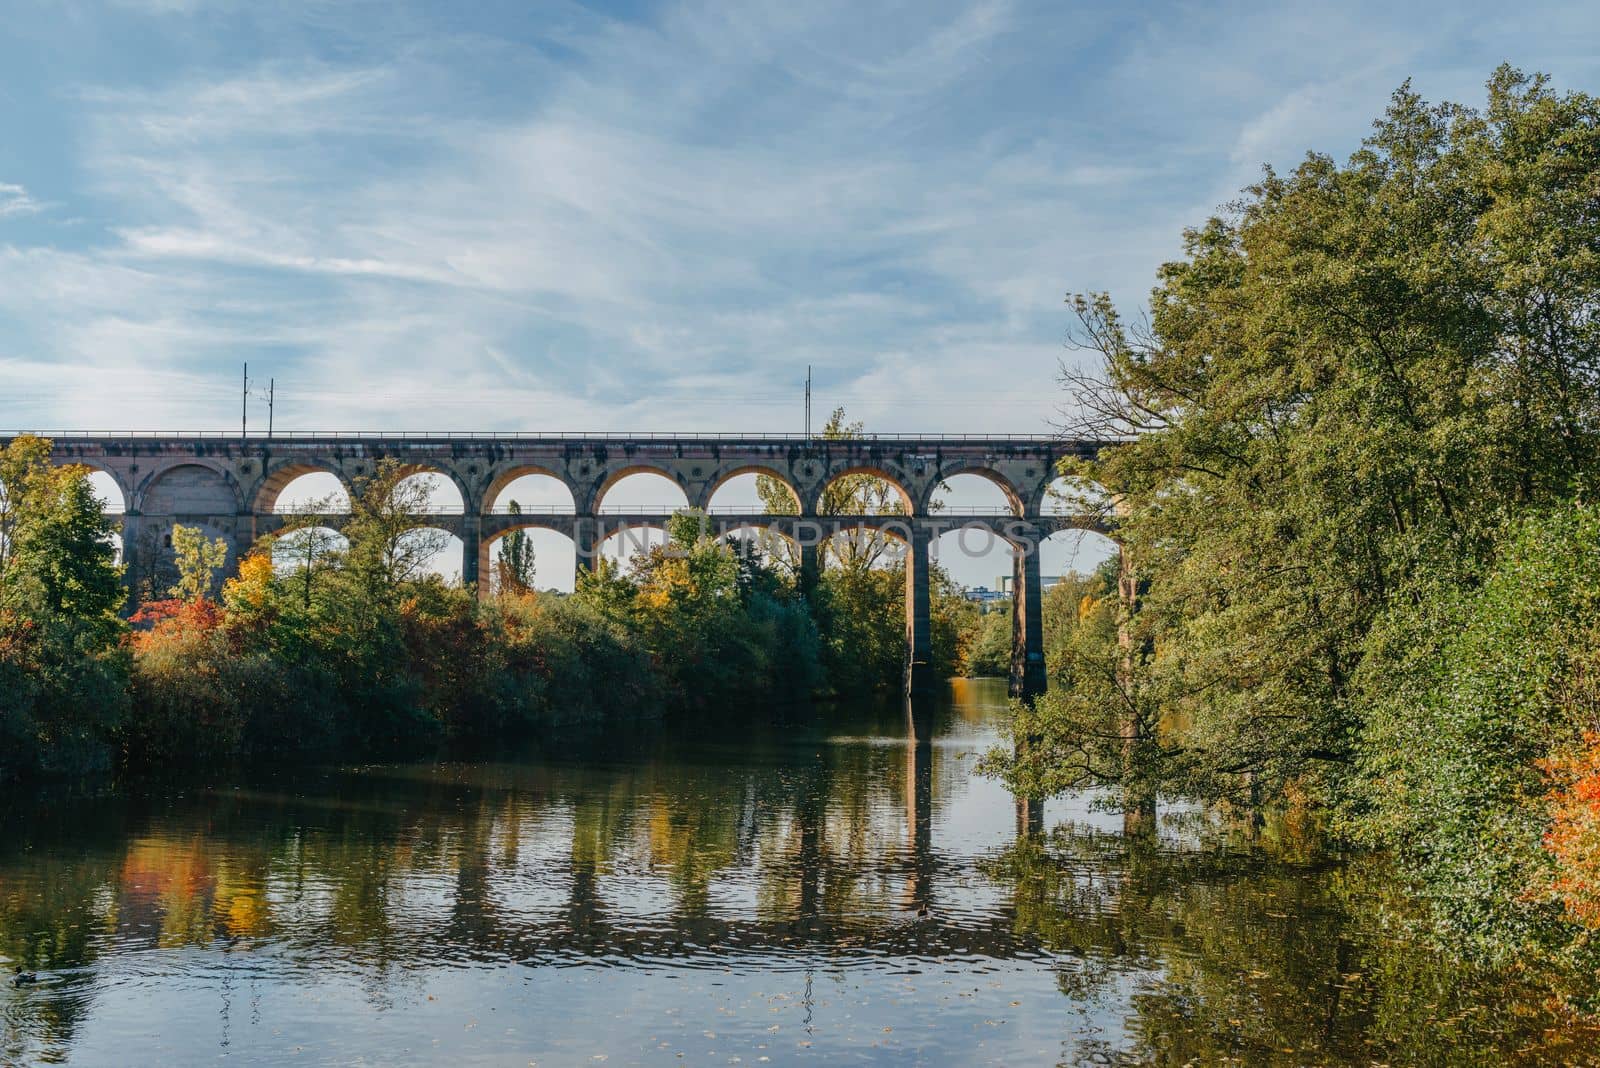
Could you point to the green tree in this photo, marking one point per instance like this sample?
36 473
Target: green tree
61 557
1467 692
988 648
389 541
22 462
198 560
1075 736
63 676
306 546
1345 387
860 601
516 567
722 626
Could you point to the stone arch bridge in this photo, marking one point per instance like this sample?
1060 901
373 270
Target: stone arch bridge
228 486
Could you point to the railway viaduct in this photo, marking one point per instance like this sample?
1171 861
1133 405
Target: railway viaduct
229 486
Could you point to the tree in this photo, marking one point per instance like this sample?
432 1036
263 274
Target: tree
389 543
22 462
198 561
1352 379
1074 736
63 675
987 651
860 602
721 626
515 570
61 560
307 546
1479 703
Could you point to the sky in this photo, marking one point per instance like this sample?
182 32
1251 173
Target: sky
646 216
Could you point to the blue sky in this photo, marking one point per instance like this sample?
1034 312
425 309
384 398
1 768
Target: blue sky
644 216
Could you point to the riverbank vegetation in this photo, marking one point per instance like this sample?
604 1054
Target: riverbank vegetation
1359 444
350 643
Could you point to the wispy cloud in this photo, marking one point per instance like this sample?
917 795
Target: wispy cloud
590 219
14 200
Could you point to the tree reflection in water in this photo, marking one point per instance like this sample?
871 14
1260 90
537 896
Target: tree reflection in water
854 850
1227 950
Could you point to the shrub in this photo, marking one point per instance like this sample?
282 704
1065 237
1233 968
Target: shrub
1476 704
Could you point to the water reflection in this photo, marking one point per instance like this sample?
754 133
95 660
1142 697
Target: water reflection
839 886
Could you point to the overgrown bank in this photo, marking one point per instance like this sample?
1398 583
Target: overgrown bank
1358 446
353 645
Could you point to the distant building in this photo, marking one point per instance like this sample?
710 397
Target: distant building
1045 582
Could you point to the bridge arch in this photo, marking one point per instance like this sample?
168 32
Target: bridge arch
193 487
727 475
1076 549
974 481
1069 495
897 482
109 487
641 471
454 485
769 539
973 548
621 543
280 477
430 549
541 480
305 547
876 541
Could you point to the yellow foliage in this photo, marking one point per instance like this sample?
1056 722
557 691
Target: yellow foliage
254 582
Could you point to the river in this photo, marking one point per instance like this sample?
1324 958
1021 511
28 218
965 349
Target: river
747 891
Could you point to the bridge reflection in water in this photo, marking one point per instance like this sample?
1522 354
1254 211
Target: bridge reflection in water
845 864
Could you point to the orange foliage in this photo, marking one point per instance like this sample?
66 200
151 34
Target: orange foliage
17 634
1573 838
169 618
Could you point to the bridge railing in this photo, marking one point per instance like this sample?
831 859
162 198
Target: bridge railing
505 435
717 509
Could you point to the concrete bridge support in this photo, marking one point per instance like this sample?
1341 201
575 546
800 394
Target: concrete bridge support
920 680
147 554
135 560
1028 678
585 544
472 551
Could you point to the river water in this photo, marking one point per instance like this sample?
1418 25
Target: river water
824 890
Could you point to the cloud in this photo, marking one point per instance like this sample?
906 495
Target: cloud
591 221
14 200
